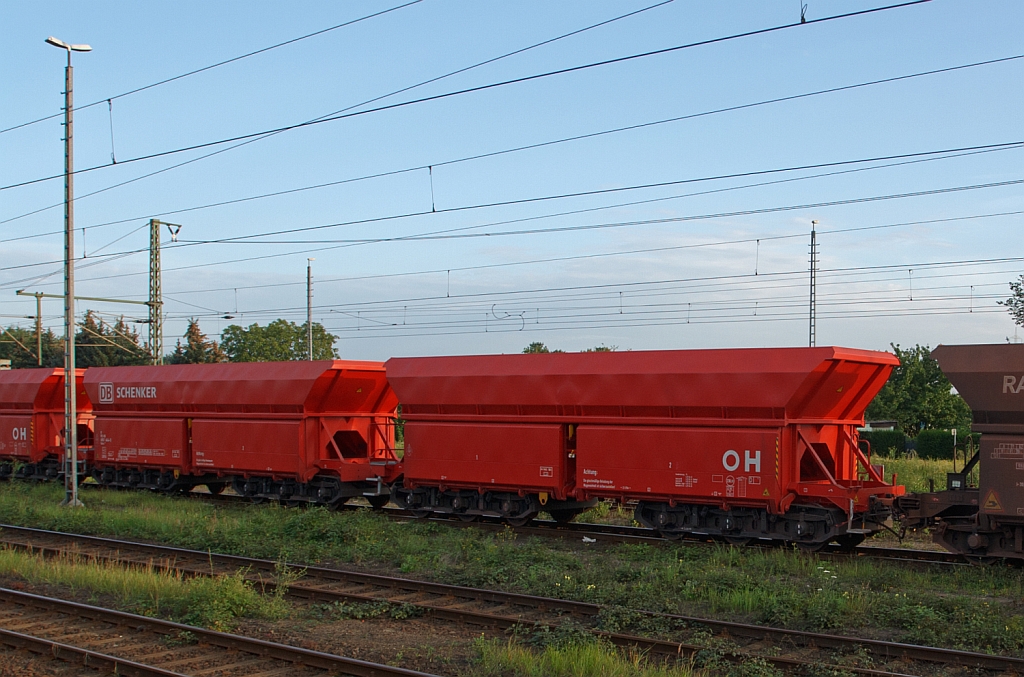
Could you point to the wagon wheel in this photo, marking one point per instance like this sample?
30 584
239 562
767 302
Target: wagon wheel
378 502
670 535
421 514
215 488
811 547
563 516
257 500
848 542
738 540
981 560
466 517
292 502
521 521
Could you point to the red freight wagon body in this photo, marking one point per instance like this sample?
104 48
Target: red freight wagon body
742 443
31 421
319 432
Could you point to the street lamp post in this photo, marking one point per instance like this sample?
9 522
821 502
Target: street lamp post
70 380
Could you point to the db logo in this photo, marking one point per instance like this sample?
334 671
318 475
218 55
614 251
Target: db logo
106 393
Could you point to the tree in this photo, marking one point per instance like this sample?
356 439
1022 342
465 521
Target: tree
538 347
919 396
602 349
97 344
279 341
19 346
1015 304
198 349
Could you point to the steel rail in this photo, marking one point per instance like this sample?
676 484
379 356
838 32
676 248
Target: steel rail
73 654
519 609
260 649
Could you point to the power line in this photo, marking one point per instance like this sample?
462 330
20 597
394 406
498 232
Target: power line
354 106
454 235
215 65
478 88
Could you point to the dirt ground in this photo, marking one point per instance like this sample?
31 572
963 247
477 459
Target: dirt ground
435 647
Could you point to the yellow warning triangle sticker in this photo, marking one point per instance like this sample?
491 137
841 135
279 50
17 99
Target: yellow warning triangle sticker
992 501
766 493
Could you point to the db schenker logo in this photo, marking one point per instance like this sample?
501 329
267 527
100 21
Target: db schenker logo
106 393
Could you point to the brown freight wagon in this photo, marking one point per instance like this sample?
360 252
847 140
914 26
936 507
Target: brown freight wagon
987 520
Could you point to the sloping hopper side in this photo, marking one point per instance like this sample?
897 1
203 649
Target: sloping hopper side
241 388
39 390
834 383
989 378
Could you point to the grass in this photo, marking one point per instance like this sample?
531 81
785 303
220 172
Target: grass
976 608
213 602
497 658
914 473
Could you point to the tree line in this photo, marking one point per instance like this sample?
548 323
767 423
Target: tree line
99 343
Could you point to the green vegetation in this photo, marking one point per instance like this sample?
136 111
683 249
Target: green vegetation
974 608
919 396
1015 303
279 341
97 344
198 349
513 659
213 602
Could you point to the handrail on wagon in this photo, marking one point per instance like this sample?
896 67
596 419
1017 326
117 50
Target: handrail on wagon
862 458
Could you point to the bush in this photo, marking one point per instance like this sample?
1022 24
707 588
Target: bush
935 444
892 443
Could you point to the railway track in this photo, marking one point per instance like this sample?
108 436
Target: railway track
115 642
502 611
613 533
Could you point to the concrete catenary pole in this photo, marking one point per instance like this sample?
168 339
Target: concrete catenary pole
70 380
309 307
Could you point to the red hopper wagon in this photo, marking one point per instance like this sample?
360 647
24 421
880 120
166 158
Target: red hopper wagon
741 444
32 423
296 432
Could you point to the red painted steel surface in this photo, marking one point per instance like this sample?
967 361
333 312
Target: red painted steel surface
32 412
662 463
150 442
500 457
283 419
627 415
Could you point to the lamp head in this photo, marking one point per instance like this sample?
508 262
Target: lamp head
63 45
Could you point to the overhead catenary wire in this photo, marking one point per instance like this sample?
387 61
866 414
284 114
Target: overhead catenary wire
455 235
353 107
478 88
214 65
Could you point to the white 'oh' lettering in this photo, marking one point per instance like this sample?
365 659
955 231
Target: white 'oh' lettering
730 460
752 460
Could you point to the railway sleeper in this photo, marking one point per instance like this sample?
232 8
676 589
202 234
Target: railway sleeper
809 527
470 504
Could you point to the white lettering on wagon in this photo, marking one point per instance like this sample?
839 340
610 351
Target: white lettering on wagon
1010 384
108 393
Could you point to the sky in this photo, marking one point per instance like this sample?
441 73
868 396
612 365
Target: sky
480 221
